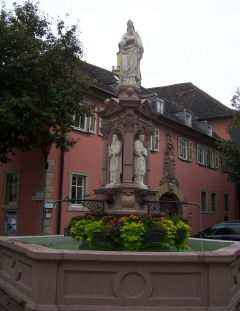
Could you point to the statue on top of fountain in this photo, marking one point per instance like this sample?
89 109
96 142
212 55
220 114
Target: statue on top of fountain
131 53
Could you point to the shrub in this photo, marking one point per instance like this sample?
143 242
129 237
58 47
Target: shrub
78 230
132 235
90 228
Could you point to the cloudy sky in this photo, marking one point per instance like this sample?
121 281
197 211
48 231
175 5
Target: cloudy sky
184 40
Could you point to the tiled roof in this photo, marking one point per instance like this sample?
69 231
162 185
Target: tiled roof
190 97
178 98
103 78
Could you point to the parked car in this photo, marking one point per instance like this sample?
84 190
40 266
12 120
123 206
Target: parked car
227 230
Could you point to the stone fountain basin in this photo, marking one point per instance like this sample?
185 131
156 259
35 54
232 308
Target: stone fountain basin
50 279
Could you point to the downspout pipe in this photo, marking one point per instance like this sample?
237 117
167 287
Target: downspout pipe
59 219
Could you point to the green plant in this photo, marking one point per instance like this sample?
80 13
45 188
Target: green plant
74 220
147 221
169 235
90 228
112 233
181 243
132 235
78 230
175 218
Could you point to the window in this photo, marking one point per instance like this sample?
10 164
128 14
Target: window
158 105
154 144
226 203
207 157
188 119
85 124
81 122
78 188
92 124
209 130
201 155
185 149
206 127
203 201
11 188
213 202
214 159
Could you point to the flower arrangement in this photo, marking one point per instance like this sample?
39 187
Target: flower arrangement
131 233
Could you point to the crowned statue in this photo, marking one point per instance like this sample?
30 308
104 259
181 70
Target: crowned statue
131 53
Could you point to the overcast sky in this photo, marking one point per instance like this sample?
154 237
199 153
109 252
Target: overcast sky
184 40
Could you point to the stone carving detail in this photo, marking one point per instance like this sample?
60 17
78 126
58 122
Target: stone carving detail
128 200
128 124
149 132
131 53
169 165
105 131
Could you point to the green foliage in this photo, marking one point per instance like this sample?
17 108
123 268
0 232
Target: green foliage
170 232
132 235
230 154
75 219
231 160
93 226
111 232
181 243
78 229
41 81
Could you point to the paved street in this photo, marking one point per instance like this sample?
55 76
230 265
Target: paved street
8 304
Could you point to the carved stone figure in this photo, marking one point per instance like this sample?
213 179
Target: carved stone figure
115 154
139 165
131 54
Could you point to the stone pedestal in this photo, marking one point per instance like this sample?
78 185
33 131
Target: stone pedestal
127 117
121 200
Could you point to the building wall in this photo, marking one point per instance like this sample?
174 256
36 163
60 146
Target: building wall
86 157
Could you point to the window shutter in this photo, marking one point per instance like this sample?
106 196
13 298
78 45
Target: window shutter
151 143
198 154
179 147
92 123
207 162
99 126
190 151
156 140
216 159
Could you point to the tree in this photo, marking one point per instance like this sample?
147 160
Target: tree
230 154
42 83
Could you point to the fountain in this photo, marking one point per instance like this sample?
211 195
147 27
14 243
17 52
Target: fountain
47 279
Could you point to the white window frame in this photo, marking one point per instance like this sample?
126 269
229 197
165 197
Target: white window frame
203 209
86 180
188 119
201 155
226 203
154 142
92 123
210 129
99 126
213 202
6 203
214 159
185 149
159 106
79 127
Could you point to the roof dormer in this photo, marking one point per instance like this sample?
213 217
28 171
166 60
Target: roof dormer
206 127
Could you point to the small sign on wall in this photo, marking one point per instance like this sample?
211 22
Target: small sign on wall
48 214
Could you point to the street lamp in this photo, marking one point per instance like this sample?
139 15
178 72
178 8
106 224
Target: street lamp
45 150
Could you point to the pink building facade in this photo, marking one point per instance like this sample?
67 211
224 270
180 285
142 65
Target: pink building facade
185 164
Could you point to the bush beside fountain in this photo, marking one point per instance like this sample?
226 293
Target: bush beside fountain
131 233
